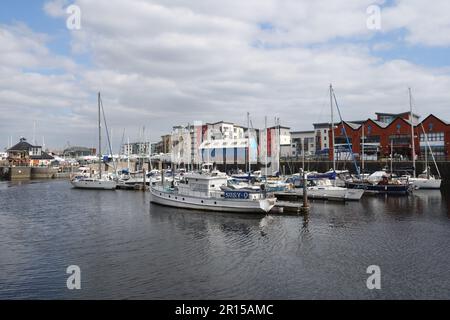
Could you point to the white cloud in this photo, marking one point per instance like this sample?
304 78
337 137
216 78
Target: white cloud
425 22
162 63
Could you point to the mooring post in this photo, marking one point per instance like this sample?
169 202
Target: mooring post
145 184
305 206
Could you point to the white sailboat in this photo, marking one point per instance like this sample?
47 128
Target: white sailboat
100 182
323 188
425 180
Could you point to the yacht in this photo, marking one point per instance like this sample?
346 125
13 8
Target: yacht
381 183
323 189
94 183
99 182
426 181
203 191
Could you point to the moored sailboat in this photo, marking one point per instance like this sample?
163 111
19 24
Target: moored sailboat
99 182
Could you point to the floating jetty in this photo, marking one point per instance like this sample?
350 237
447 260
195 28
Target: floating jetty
298 195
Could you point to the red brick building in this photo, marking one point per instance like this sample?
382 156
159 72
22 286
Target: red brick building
392 131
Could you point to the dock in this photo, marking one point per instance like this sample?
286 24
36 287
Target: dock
298 195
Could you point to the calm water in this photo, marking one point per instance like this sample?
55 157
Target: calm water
129 249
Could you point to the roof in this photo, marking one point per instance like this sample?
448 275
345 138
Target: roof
322 125
73 149
432 115
220 122
43 156
303 132
353 125
277 126
379 123
396 114
23 145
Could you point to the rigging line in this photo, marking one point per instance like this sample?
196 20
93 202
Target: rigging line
346 136
107 134
431 150
122 141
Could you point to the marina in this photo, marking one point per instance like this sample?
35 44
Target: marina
237 151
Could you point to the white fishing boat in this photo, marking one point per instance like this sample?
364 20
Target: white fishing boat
98 182
202 191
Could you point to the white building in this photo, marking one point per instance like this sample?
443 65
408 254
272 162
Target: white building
135 148
303 141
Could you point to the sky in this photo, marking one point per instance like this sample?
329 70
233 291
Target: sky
164 63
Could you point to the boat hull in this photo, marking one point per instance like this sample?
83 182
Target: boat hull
208 204
98 185
420 183
381 189
344 194
341 194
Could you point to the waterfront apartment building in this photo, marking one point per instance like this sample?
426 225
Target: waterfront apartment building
391 133
303 142
135 148
229 144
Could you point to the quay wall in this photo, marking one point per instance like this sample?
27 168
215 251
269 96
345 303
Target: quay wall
26 173
18 173
43 173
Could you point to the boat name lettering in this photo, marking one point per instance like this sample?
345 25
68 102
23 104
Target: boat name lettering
236 195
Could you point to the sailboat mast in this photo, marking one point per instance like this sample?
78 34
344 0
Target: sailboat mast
332 128
266 146
99 139
248 141
392 154
413 147
426 162
128 153
363 149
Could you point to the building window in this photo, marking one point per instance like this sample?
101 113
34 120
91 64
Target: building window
433 136
430 126
398 128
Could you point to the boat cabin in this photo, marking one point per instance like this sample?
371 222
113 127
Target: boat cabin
201 184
